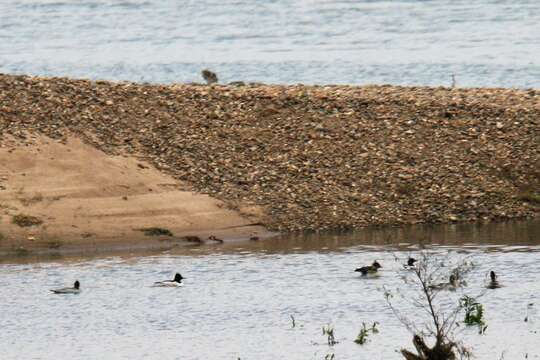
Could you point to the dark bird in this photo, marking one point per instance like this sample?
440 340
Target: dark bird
411 261
369 270
493 283
209 76
69 290
410 264
176 282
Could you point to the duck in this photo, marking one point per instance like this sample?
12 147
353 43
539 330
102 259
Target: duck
69 290
493 283
452 284
410 263
176 282
369 270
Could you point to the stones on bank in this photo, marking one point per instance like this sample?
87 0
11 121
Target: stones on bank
314 157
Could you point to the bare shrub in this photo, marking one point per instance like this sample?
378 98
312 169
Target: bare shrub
434 318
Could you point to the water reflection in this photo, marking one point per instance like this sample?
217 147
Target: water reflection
504 236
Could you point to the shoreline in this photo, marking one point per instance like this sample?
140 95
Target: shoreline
287 158
491 236
110 247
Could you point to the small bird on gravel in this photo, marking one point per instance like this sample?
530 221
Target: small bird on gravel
176 282
369 270
69 290
209 76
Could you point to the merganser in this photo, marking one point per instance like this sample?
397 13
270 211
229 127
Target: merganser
176 282
493 284
369 270
69 290
410 263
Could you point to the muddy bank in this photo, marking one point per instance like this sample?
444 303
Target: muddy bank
310 157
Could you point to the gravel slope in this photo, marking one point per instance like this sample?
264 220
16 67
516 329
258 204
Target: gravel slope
313 157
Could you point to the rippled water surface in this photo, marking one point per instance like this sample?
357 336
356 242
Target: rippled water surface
483 42
238 300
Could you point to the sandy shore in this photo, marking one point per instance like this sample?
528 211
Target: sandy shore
293 158
83 199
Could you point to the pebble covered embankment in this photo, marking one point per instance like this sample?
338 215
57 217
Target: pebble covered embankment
313 157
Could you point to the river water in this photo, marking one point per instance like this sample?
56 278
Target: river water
483 42
238 298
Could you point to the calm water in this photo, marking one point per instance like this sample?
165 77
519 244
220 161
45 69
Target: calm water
483 42
237 300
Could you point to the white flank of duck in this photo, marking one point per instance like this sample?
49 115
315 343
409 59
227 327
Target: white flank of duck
176 282
69 290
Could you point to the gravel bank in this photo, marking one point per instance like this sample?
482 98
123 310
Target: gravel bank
313 157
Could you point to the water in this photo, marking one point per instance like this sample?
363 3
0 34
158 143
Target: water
483 42
237 300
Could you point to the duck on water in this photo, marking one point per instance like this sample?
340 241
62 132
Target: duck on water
493 283
410 263
69 290
369 270
452 284
176 282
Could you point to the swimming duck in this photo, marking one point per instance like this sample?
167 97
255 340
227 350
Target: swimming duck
452 284
369 270
176 282
69 290
410 263
493 284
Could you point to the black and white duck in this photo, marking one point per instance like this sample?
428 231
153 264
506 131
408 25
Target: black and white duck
369 270
176 282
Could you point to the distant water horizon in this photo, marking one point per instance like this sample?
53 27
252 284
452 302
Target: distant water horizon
484 43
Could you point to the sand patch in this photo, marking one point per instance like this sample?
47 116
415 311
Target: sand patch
85 197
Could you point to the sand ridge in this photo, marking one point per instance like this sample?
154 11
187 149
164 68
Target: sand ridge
85 197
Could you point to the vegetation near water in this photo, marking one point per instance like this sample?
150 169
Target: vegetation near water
328 331
474 313
24 220
436 279
363 335
441 322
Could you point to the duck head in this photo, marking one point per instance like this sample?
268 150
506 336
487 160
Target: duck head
493 276
178 277
376 265
77 284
